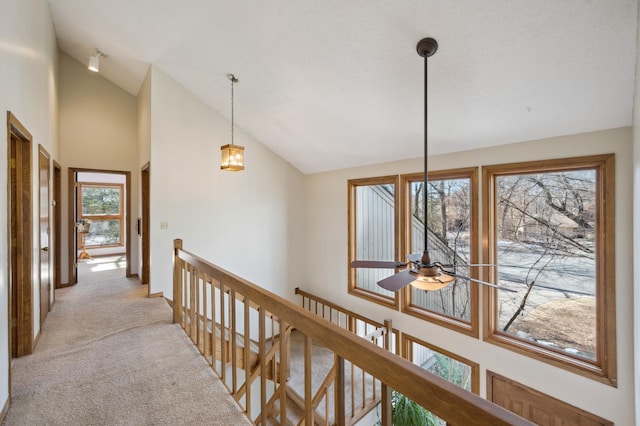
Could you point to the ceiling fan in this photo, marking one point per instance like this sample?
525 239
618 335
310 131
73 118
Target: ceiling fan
419 270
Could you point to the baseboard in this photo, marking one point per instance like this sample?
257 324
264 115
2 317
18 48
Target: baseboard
63 285
169 302
133 276
5 409
158 294
37 339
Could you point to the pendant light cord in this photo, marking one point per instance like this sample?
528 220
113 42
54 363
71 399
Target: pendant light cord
233 80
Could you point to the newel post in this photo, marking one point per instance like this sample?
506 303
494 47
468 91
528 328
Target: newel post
177 281
386 390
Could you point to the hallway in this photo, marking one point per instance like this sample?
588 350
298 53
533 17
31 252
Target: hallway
108 355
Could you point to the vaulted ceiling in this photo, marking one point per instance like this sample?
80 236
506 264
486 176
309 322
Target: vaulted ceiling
338 83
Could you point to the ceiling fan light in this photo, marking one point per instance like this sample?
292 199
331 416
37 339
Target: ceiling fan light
432 282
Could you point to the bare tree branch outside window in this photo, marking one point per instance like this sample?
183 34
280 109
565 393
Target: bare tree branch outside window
546 251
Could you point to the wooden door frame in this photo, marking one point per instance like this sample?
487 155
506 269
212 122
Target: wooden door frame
43 154
145 181
73 243
57 227
24 235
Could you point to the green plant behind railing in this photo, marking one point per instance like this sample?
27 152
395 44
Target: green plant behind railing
405 412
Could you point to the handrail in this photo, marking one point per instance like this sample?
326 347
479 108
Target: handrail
447 401
349 315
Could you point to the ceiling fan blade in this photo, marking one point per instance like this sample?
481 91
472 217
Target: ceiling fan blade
465 265
485 283
397 281
384 264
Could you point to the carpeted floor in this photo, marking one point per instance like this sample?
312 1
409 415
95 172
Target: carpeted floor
108 355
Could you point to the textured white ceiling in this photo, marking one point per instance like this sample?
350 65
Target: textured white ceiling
337 83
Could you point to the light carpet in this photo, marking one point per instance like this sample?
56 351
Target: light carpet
108 355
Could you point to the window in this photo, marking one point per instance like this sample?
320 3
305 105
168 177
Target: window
102 205
452 239
453 368
550 232
373 224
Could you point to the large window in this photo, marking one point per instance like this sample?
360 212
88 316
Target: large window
373 223
102 205
550 232
452 239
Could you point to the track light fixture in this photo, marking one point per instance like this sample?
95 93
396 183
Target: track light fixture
94 61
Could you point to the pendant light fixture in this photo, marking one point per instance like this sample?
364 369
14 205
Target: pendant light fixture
430 276
232 155
94 61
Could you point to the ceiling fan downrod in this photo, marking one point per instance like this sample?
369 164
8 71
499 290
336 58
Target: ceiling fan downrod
426 48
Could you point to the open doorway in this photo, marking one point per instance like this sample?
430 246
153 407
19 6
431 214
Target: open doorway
99 230
143 226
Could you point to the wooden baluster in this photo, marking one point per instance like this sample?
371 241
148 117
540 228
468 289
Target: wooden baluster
339 394
233 342
177 283
284 369
263 365
197 307
214 328
205 335
192 303
308 396
185 296
223 338
247 357
386 390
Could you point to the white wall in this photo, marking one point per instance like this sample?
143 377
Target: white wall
636 228
28 88
248 222
326 242
98 130
144 143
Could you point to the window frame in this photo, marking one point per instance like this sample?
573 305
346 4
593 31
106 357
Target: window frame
94 217
471 327
603 369
353 184
407 353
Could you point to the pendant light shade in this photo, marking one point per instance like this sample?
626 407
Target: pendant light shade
232 155
94 61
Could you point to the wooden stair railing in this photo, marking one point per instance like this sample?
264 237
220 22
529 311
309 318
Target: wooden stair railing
202 289
344 318
383 335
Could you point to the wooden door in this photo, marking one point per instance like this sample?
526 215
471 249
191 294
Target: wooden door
73 218
21 237
56 233
536 406
45 228
145 240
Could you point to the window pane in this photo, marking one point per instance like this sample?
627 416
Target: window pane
374 233
449 236
100 200
442 365
103 232
546 251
